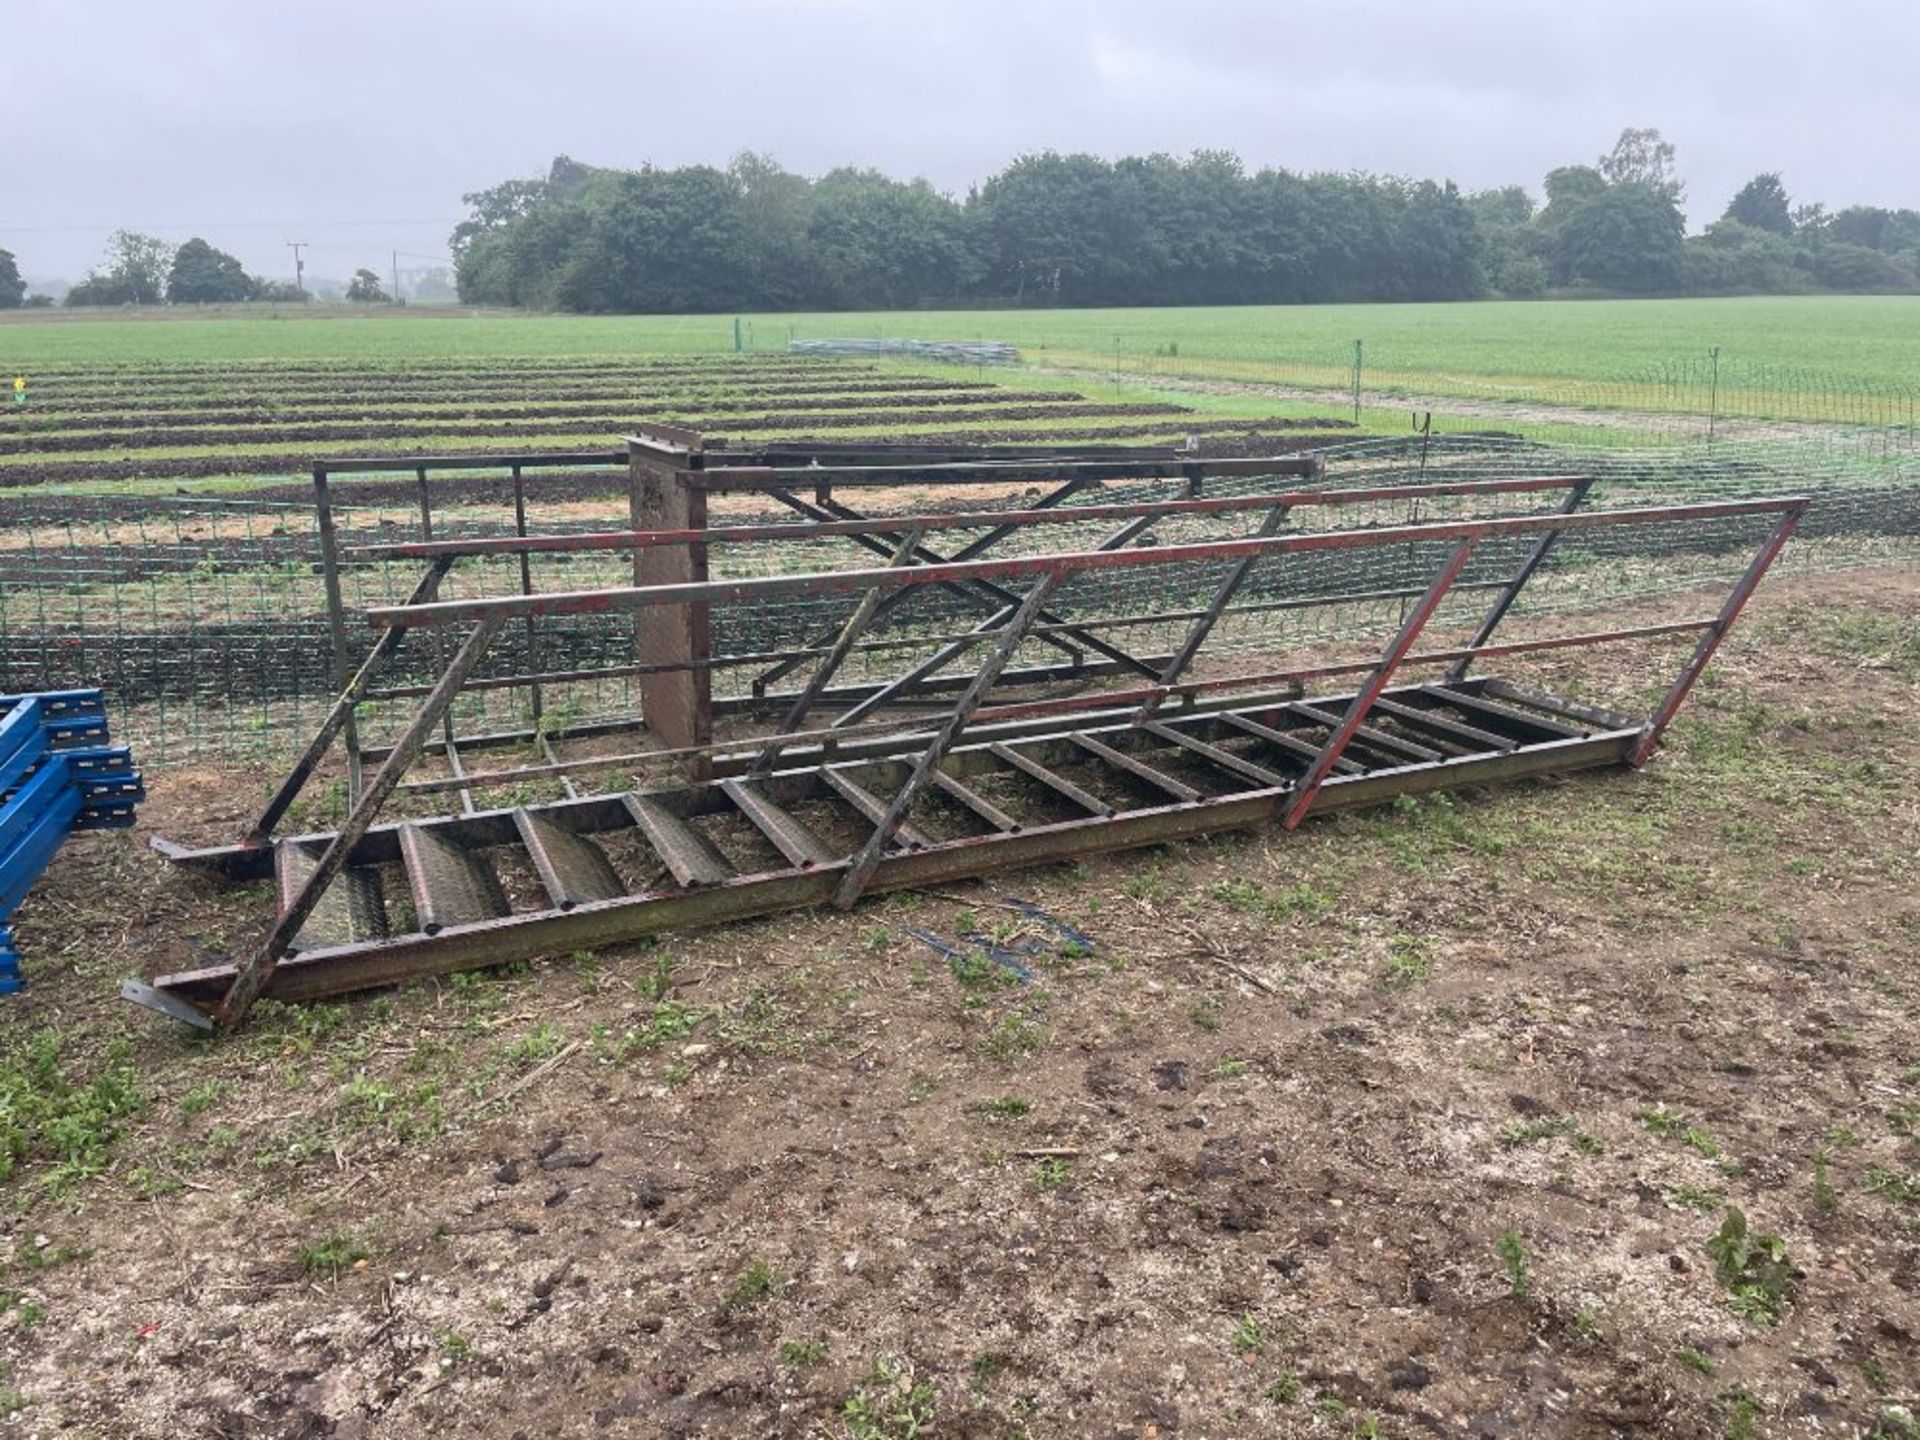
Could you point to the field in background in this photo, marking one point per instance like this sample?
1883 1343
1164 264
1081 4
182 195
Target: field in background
1867 337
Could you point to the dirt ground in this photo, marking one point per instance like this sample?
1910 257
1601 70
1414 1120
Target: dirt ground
1418 1122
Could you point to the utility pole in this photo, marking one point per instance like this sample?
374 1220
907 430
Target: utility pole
396 277
299 265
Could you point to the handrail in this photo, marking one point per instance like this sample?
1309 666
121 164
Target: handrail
597 540
627 599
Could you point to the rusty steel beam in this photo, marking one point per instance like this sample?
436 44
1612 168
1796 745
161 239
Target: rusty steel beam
1375 683
599 540
1716 632
993 472
317 974
622 600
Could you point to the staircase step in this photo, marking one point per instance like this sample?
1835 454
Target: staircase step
351 910
451 885
1369 735
977 803
790 837
1139 769
574 869
1059 784
1215 756
689 856
871 806
1290 744
1451 732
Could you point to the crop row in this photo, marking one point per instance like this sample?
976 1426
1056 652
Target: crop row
362 428
50 411
1248 437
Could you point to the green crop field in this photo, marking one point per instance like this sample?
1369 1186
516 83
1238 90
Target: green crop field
1868 337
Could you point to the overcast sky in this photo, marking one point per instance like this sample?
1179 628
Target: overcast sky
357 124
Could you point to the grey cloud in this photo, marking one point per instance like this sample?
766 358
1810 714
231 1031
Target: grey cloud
357 125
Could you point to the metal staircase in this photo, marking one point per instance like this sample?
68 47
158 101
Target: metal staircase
505 885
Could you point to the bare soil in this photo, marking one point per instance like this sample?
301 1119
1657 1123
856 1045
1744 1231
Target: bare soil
1412 1123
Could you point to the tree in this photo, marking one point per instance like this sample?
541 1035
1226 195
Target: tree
364 289
140 264
1642 157
13 290
202 275
135 273
1762 203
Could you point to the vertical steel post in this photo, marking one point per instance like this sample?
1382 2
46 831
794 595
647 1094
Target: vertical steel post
862 867
1510 592
336 621
1711 637
526 588
1377 680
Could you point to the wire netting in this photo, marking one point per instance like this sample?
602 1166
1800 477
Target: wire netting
205 620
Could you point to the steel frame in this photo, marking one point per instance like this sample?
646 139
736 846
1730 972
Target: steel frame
1380 739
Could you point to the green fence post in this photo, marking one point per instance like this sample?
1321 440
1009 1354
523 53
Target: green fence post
738 338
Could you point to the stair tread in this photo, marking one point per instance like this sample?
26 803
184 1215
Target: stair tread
451 885
689 856
574 870
352 909
790 835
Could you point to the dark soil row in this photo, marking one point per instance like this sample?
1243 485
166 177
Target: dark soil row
1218 438
163 373
724 413
223 463
328 404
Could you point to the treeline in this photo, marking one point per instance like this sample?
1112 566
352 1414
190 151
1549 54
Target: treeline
145 270
1079 230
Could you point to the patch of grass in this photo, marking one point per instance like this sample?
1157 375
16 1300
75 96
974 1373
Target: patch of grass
1206 1013
330 1256
1753 1268
1409 957
1012 1037
802 1354
890 1403
1249 1336
1740 1412
543 1042
1823 1197
1512 1251
1901 1189
756 1285
1694 1360
1301 900
670 1020
1673 1126
48 1114
1231 1069
1525 1132
1285 1390
1694 1198
202 1098
454 1346
1051 1172
1005 1107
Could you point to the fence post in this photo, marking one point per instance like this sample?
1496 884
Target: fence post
1359 350
1713 392
676 705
